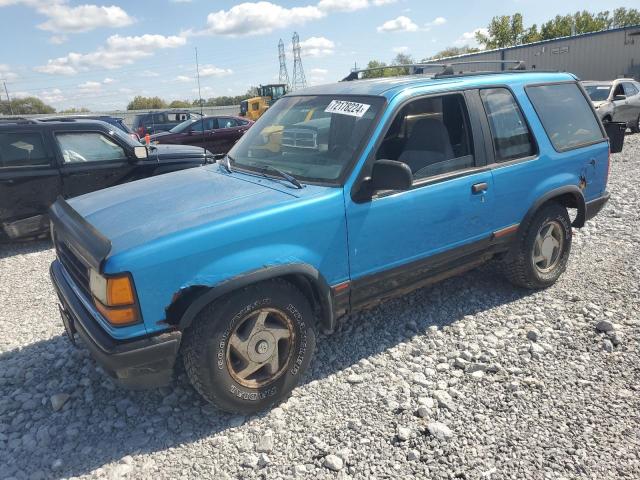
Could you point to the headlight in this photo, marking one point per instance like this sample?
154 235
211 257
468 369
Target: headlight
114 298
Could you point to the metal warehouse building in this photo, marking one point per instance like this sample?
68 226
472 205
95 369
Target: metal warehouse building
591 56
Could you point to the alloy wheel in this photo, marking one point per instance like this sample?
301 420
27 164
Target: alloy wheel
547 248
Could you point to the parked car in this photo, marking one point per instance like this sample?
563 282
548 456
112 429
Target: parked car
616 101
117 122
236 265
40 161
160 121
216 134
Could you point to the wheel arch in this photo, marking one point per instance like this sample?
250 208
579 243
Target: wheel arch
189 301
569 196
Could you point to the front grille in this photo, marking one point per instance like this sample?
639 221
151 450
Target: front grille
72 264
300 138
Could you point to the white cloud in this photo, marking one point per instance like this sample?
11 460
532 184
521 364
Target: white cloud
379 3
213 71
400 24
317 47
148 74
90 87
342 5
117 52
256 18
184 78
469 38
57 39
64 18
6 73
319 71
436 22
108 80
47 96
83 18
402 49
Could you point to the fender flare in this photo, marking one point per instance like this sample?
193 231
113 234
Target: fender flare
318 282
573 190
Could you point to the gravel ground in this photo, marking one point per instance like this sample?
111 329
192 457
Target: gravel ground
468 379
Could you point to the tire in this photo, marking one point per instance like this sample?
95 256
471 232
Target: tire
269 324
635 128
532 267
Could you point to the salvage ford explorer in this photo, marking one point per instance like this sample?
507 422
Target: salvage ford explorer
338 198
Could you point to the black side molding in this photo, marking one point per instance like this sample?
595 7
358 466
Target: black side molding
82 237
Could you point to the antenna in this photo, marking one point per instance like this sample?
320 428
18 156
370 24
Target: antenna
284 74
299 80
200 102
8 97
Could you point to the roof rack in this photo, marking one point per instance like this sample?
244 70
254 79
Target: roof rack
447 69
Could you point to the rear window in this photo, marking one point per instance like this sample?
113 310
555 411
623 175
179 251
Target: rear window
566 115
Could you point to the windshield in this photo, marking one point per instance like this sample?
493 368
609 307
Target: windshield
182 126
598 93
314 138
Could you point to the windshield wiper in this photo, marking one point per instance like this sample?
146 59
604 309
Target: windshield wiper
290 178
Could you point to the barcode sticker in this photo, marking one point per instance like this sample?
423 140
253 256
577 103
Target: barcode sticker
343 107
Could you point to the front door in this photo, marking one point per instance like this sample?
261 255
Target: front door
91 161
29 183
398 238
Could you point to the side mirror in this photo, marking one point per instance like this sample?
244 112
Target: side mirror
385 175
619 97
141 152
390 175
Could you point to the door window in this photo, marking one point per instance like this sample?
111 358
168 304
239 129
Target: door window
227 123
78 147
629 89
431 135
618 91
566 115
208 123
511 136
22 150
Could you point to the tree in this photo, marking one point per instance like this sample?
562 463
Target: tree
623 17
75 110
503 31
452 52
146 103
25 106
180 104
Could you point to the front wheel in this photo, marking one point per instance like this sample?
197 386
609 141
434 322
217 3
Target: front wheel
542 251
248 350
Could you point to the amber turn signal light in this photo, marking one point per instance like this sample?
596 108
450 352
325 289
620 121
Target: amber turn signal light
117 316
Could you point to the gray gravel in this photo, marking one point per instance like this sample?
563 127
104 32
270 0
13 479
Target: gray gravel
469 379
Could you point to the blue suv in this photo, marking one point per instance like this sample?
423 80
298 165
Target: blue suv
339 197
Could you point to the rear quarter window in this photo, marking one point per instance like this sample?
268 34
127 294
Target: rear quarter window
566 115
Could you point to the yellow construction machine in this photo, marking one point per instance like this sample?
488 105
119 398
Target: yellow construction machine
253 108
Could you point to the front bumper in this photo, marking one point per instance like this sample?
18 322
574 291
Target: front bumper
140 363
594 206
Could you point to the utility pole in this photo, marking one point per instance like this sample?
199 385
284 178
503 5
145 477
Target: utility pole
8 97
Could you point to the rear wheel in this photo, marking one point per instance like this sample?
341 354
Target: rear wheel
247 351
543 248
635 128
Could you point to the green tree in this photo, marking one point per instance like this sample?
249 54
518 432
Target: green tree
180 104
25 106
503 31
375 73
146 103
452 52
573 24
623 17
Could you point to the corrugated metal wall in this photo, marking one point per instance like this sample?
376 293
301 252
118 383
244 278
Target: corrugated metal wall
595 56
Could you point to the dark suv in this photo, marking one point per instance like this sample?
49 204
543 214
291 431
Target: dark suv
160 121
40 161
115 121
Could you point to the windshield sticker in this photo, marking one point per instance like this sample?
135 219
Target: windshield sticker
342 107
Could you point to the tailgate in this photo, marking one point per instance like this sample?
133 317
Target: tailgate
71 228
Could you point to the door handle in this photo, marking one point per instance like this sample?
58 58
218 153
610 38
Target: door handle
479 187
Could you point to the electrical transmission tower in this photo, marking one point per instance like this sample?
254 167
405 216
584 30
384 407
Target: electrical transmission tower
284 74
299 80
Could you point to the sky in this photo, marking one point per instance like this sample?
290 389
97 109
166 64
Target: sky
100 55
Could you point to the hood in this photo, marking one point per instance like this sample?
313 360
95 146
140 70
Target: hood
138 212
175 152
159 135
